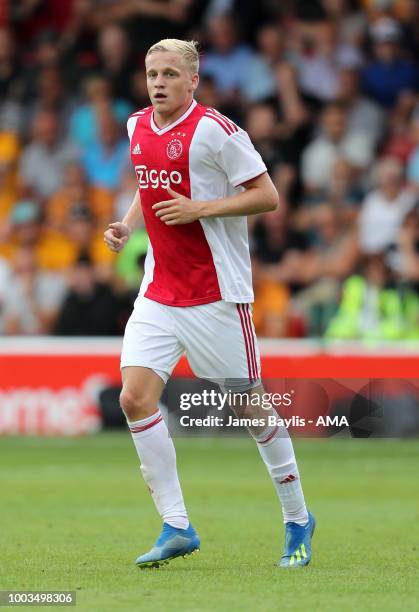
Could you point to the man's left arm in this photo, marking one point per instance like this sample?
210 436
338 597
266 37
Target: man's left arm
259 195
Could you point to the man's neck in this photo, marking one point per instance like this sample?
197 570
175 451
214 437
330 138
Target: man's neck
162 120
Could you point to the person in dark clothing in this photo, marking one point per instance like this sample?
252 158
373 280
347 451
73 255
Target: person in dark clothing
90 308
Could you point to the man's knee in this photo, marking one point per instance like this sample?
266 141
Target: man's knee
137 405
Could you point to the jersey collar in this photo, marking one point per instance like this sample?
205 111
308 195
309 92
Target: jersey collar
162 131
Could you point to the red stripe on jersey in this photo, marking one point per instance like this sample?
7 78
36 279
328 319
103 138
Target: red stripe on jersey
229 124
220 118
227 120
246 343
220 123
140 112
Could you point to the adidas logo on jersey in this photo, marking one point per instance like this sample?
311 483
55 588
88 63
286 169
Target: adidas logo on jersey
136 150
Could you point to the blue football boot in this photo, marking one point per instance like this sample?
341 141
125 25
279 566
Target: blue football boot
172 543
297 551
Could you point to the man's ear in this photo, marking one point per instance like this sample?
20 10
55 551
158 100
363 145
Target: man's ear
195 81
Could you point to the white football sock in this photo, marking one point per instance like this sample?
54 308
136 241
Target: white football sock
277 452
158 464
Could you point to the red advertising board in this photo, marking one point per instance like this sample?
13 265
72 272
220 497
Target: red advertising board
50 386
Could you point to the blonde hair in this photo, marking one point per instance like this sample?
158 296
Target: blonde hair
187 49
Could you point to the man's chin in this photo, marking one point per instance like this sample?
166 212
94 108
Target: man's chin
160 103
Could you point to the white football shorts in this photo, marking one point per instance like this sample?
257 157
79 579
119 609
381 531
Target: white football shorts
218 339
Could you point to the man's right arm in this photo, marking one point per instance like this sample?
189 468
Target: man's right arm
117 234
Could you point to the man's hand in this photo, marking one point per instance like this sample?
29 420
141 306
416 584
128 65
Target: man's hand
179 210
116 236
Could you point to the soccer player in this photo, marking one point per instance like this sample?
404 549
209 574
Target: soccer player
199 177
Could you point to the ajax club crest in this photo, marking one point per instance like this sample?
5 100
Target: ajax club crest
174 149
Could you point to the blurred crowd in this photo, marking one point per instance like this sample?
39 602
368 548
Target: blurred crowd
328 91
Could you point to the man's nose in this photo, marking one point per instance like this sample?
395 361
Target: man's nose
160 81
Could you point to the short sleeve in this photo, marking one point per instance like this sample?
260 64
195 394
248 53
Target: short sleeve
131 126
239 159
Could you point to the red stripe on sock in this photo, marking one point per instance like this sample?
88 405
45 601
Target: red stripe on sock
139 428
271 435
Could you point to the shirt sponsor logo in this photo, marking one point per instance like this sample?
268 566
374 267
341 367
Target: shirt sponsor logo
156 178
174 149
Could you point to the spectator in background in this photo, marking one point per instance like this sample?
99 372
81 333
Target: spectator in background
146 20
351 24
227 59
9 153
75 190
407 249
45 54
5 278
363 115
410 26
10 68
370 307
399 142
23 228
89 308
318 59
52 97
385 208
334 251
262 126
335 142
33 297
116 62
343 193
271 305
413 162
84 123
260 80
388 74
207 93
377 9
139 93
45 157
105 161
275 240
318 272
125 194
60 249
11 83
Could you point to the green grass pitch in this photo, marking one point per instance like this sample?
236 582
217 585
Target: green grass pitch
75 513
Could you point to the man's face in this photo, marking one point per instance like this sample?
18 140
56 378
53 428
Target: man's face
334 123
386 52
170 84
46 129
